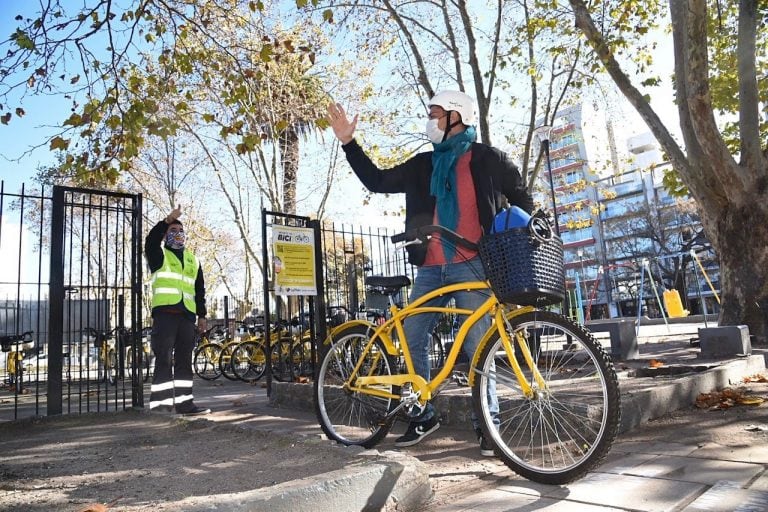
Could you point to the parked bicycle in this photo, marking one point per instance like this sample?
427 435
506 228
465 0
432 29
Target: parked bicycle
107 343
15 346
207 353
557 390
144 360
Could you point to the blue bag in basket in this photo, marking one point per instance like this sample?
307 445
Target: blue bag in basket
510 218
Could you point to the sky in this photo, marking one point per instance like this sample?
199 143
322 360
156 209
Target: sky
19 159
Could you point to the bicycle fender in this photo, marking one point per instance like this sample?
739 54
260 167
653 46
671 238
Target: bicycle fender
351 323
487 336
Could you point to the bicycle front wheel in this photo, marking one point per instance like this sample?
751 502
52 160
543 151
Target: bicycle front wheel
561 422
349 416
205 361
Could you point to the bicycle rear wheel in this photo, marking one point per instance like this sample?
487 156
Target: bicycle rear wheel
225 361
352 417
249 361
205 361
436 352
566 425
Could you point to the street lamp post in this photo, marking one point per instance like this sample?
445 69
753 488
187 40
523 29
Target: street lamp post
542 133
580 254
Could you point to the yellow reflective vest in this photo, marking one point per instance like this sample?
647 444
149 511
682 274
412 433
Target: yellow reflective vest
172 283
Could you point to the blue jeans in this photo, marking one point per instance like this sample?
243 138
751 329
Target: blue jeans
418 328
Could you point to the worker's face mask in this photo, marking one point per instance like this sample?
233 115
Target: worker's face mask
175 238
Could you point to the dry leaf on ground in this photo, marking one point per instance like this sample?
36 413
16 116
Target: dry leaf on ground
725 399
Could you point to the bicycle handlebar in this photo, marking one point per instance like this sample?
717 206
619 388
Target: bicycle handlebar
12 338
425 231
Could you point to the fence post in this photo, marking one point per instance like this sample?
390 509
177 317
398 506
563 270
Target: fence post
56 319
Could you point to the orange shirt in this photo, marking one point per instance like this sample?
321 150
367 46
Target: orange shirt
469 221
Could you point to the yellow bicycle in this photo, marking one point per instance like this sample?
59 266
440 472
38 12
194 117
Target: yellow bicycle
557 391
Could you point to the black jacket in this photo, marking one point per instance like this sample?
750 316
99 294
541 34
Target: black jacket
492 173
154 253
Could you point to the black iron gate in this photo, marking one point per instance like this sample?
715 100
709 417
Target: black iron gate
95 351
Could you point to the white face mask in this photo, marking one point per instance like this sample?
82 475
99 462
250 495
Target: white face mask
434 134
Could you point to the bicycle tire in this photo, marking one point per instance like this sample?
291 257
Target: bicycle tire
144 366
353 418
282 366
225 361
249 361
205 361
147 365
565 428
110 371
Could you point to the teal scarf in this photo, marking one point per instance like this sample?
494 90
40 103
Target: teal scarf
443 183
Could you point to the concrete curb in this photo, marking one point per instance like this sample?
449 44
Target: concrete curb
642 398
395 481
659 398
389 481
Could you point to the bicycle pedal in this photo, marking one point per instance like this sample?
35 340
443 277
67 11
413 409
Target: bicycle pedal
460 378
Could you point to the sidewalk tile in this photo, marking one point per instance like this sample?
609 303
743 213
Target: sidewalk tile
703 471
729 497
659 448
756 453
620 463
645 494
498 500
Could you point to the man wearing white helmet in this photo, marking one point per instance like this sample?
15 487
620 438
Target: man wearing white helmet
458 185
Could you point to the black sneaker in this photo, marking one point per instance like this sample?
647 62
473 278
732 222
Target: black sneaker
161 409
417 430
194 411
486 450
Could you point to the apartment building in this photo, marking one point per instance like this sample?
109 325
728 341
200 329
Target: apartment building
626 240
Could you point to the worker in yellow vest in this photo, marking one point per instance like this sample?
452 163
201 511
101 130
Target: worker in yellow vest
178 311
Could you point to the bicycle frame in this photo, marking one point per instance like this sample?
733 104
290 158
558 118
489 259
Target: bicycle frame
423 389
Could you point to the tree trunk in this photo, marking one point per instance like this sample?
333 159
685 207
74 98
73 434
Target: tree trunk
289 152
744 266
730 196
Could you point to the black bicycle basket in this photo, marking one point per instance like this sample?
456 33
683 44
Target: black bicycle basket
522 269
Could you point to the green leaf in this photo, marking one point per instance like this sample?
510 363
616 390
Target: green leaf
74 120
208 118
266 53
59 143
23 40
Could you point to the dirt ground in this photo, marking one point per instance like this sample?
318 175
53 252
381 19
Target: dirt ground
139 462
135 461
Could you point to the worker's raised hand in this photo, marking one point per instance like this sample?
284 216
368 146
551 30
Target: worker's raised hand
174 215
343 128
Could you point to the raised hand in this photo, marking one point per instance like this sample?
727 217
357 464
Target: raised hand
343 128
174 215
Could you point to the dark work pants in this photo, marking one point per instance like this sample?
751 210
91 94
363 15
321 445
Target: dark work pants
173 340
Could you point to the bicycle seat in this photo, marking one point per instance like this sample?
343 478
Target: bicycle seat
393 282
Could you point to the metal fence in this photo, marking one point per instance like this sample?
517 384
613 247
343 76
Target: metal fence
71 275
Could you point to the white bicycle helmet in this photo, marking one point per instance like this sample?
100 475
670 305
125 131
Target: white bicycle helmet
459 102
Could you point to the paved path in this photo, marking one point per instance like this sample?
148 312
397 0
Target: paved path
688 461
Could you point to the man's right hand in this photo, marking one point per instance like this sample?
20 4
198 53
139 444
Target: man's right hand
342 127
174 215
